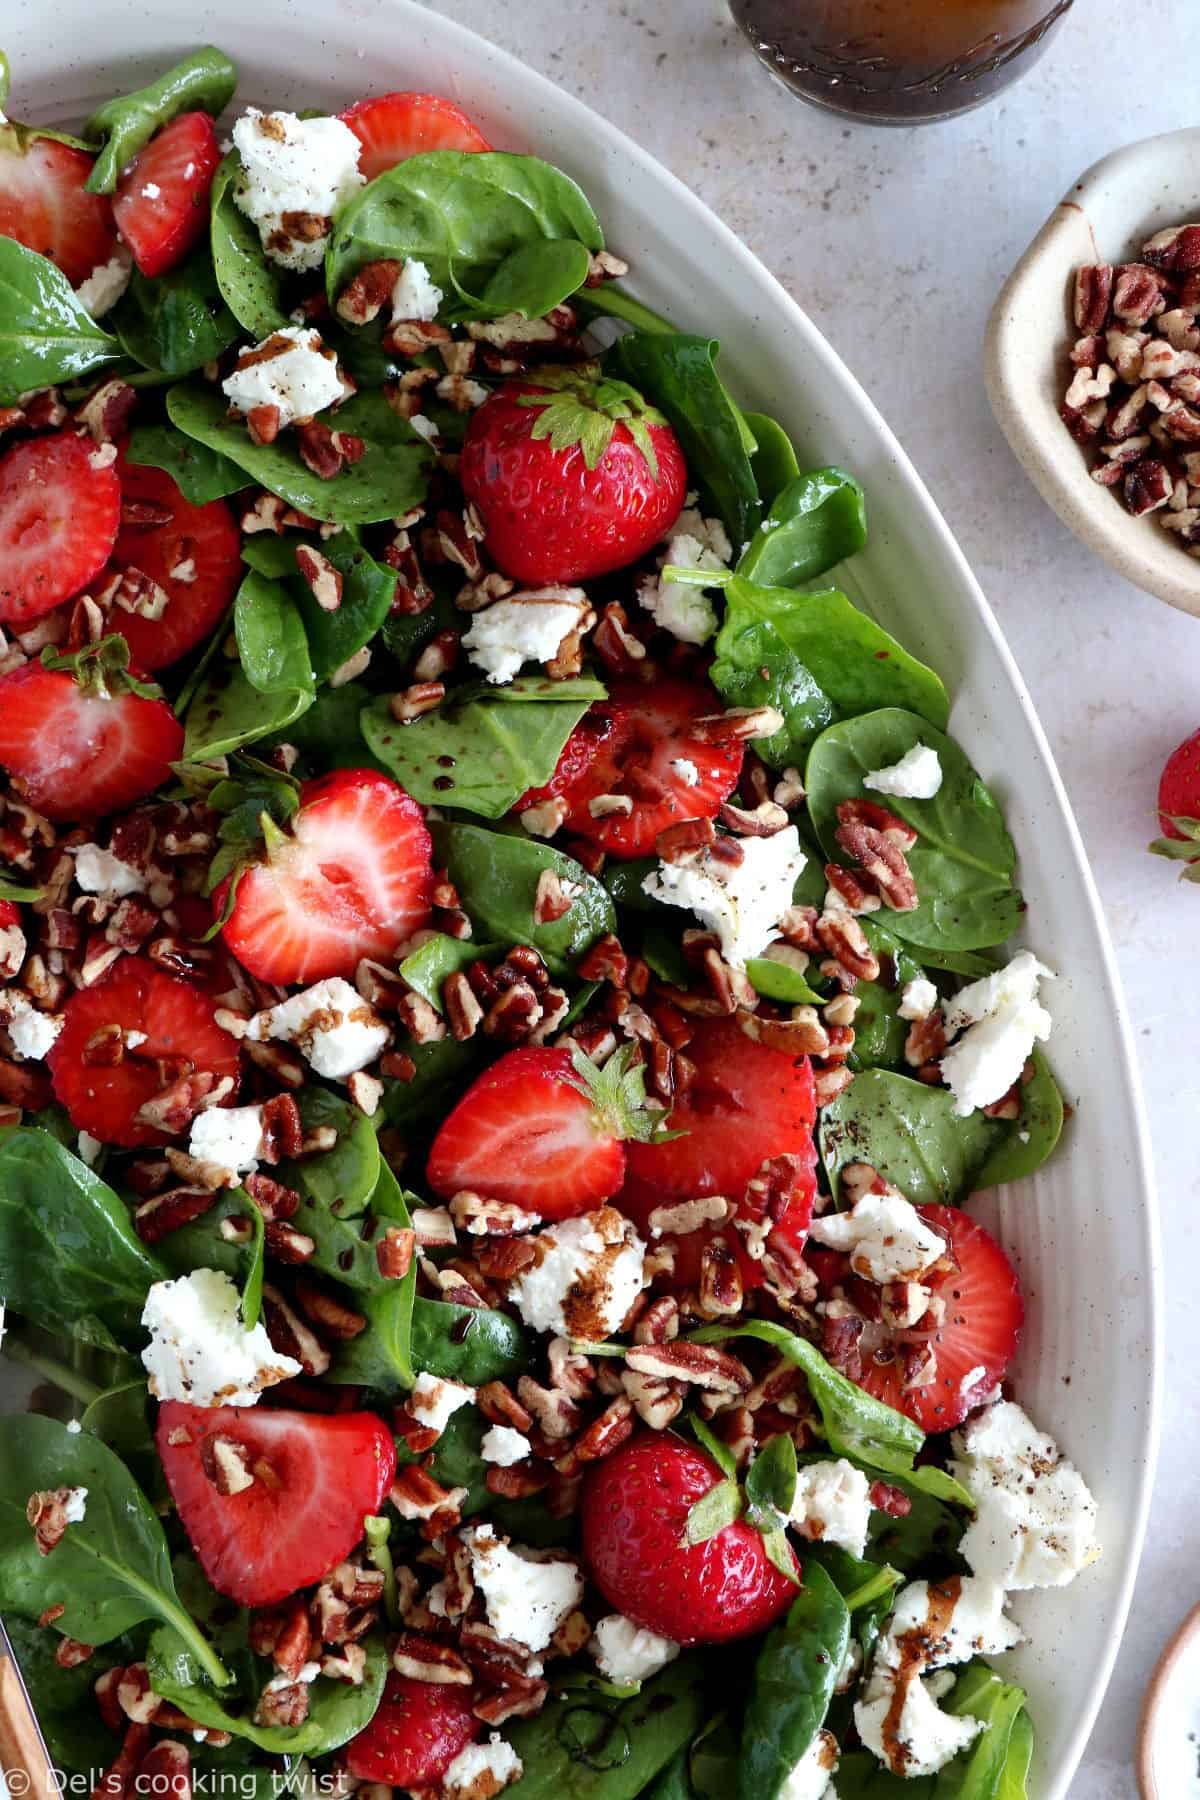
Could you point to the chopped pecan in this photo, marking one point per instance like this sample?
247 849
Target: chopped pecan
701 1365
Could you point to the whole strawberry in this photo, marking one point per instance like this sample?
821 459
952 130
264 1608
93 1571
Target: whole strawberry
1179 808
572 473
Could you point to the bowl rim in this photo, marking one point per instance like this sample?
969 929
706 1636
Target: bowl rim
1136 548
1177 1646
600 142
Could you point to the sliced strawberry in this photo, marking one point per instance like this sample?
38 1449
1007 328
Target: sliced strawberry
352 879
326 1474
974 1342
161 202
640 737
393 127
45 205
634 1514
59 516
192 552
595 732
81 747
543 1133
182 1040
418 1730
10 914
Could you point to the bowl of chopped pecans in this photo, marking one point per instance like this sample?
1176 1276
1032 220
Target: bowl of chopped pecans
1093 363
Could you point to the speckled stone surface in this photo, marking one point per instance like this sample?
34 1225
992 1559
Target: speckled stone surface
896 243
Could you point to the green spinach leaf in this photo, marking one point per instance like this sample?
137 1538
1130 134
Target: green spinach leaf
1031 1137
382 1355
780 981
46 333
199 473
272 643
818 520
227 712
389 479
977 1773
532 280
426 969
251 286
795 1673
963 859
588 1746
178 321
344 1178
368 588
205 81
773 458
497 877
910 1133
466 1343
439 1070
76 1736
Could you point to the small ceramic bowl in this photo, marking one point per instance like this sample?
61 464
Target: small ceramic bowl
1167 1752
1106 217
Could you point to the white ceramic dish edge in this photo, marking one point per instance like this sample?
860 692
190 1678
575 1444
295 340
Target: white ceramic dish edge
1099 1333
1105 217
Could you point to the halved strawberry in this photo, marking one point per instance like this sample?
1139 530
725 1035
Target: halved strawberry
288 1529
45 205
393 127
181 1040
643 747
352 879
192 552
418 1730
543 1132
161 202
975 1341
85 738
59 516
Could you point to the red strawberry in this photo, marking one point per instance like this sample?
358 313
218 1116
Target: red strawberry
633 743
327 1474
182 1038
192 552
543 1133
1179 808
418 1730
634 1513
393 127
59 516
573 475
85 737
976 1338
161 202
353 878
45 205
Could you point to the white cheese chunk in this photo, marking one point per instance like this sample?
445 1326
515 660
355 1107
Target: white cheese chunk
414 295
293 165
200 1351
102 289
31 1033
832 1505
229 1136
923 1739
301 379
331 1025
917 776
75 1505
1035 1524
434 1402
526 1600
482 1770
88 1148
13 948
98 871
687 612
1003 1019
685 768
812 1777
528 627
504 1446
626 1653
742 902
587 1276
884 1236
917 999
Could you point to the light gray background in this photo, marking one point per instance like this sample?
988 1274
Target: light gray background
896 243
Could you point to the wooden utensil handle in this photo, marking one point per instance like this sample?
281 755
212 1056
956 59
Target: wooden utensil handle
23 1759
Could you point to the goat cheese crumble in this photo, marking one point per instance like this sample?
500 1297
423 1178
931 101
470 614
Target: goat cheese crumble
434 1402
1001 1019
504 1446
917 999
101 290
832 1505
529 627
526 1600
587 1276
301 378
297 166
482 1768
229 1136
200 1351
917 776
31 1033
884 1236
75 1505
627 1653
330 1024
742 902
812 1777
415 295
98 871
1035 1520
687 612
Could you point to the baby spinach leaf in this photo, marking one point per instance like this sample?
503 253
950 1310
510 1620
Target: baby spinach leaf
272 643
390 479
816 658
1014 1777
327 734
460 213
532 280
1032 1137
773 458
677 373
480 754
466 1343
713 1760
910 1133
251 285
76 1736
368 589
46 333
818 520
771 1481
178 321
930 1529
18 890
856 1424
977 1772
879 1031
336 1709
199 473
112 1569
204 81
67 1247
596 1747
795 1673
226 712
497 876
779 981
861 1777
456 1460
381 1356
427 968
344 1178
971 963
963 860
120 1418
